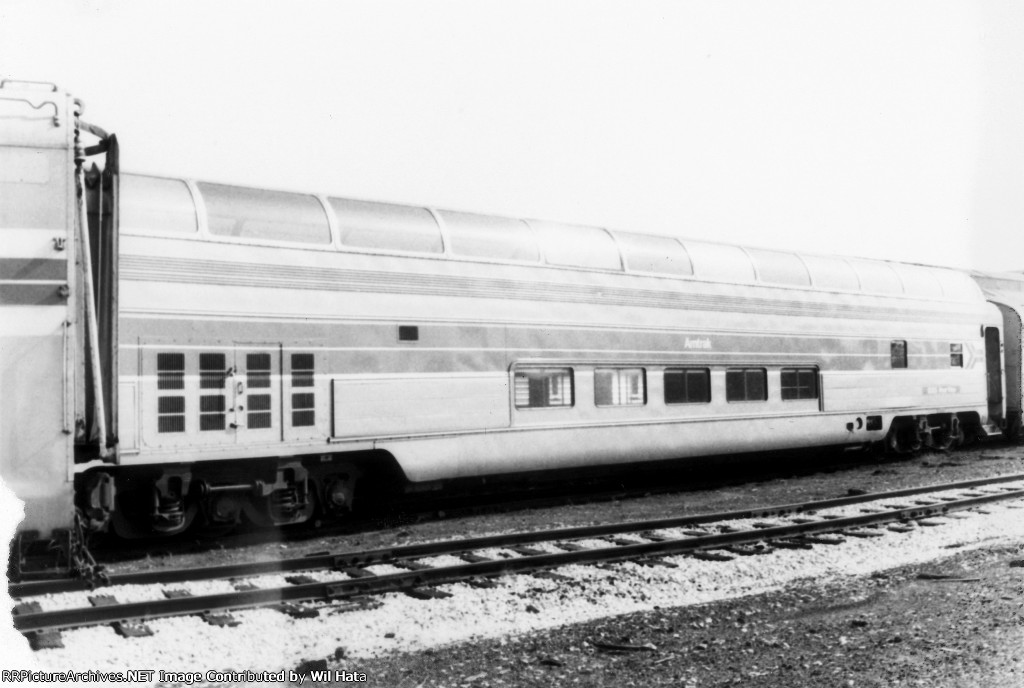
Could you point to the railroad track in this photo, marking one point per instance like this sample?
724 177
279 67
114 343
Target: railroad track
647 542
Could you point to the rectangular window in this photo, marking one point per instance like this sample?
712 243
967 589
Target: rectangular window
170 374
211 412
956 355
687 386
620 387
746 384
898 353
212 407
170 371
303 404
258 377
259 412
302 370
543 387
257 370
303 413
170 414
799 383
212 371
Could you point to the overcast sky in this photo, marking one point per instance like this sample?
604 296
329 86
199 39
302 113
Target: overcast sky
882 129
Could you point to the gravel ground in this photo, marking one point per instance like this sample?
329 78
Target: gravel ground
756 619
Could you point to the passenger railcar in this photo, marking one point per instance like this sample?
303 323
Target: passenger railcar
179 352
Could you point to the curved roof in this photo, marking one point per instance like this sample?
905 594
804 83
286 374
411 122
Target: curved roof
178 207
999 281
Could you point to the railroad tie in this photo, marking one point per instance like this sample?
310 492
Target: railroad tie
653 537
132 629
412 565
862 533
657 561
527 551
481 582
30 607
823 539
708 555
622 542
550 575
48 639
427 593
747 550
296 611
221 619
790 543
103 600
357 572
900 528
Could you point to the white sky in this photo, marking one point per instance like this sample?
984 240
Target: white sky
883 129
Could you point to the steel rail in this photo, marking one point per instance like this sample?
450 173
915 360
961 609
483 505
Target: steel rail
404 552
405 581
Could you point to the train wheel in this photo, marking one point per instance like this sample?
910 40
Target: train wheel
948 436
903 438
142 513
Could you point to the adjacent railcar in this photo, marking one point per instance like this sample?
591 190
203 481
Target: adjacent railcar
1006 291
39 303
236 353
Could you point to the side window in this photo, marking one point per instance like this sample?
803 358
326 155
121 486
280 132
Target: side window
687 386
152 204
365 224
898 353
212 402
543 387
619 387
303 402
956 355
258 403
799 383
746 384
170 375
262 214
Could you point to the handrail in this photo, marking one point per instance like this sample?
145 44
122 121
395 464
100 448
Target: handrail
53 86
40 106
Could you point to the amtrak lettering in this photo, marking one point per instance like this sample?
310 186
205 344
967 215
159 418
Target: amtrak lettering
941 389
697 343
